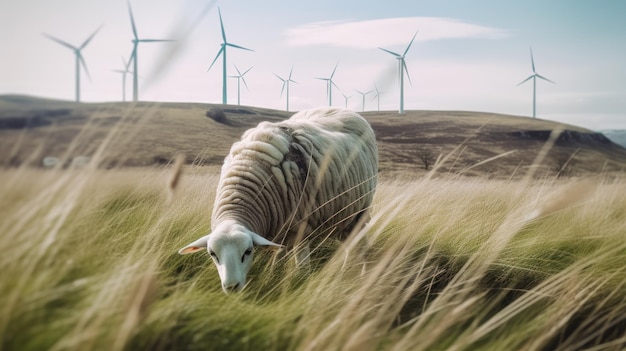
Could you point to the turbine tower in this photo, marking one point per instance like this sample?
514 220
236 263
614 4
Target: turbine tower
133 55
239 79
124 72
377 96
534 77
329 86
363 94
222 52
401 69
286 84
79 57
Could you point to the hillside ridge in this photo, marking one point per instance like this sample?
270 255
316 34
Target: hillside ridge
151 133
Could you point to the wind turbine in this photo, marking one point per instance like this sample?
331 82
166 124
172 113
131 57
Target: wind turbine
133 55
363 94
329 86
222 52
401 69
534 77
239 79
79 57
377 96
123 72
346 97
286 84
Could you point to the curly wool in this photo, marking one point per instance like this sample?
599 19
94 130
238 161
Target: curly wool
304 176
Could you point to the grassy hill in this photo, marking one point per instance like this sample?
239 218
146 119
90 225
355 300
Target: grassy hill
89 256
145 133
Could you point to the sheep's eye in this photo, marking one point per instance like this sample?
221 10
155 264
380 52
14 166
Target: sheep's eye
214 256
247 253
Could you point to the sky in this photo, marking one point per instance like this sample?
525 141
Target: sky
467 55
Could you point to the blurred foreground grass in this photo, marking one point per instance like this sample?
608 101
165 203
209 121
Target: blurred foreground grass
88 261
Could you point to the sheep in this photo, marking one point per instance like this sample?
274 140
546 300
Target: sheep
289 182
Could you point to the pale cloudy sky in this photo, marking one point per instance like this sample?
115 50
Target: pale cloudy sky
467 55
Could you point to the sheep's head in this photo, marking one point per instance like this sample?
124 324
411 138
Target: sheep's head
231 248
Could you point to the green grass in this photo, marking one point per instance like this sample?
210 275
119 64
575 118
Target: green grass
88 261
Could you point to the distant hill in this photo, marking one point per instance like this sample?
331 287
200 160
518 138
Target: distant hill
149 133
617 136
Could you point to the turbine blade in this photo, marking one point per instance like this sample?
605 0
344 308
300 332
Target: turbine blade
132 21
133 54
82 62
216 57
532 60
333 83
248 70
544 78
391 52
126 63
238 47
69 46
90 37
408 47
525 80
222 25
153 40
283 88
277 76
290 72
407 71
244 82
237 69
334 70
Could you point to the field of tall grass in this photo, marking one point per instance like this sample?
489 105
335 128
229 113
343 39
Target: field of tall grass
88 261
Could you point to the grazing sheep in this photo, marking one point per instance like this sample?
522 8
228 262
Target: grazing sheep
289 182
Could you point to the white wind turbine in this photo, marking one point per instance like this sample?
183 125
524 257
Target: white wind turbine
346 97
363 95
133 55
124 72
401 69
79 57
222 52
534 77
286 84
329 86
377 96
240 78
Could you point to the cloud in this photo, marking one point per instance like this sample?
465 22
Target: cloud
386 32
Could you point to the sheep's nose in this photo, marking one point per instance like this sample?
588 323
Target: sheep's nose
231 287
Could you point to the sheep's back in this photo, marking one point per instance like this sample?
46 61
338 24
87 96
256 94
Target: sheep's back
315 171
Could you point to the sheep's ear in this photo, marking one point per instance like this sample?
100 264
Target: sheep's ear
200 244
261 241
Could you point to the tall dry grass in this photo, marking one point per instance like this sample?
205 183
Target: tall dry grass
88 260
